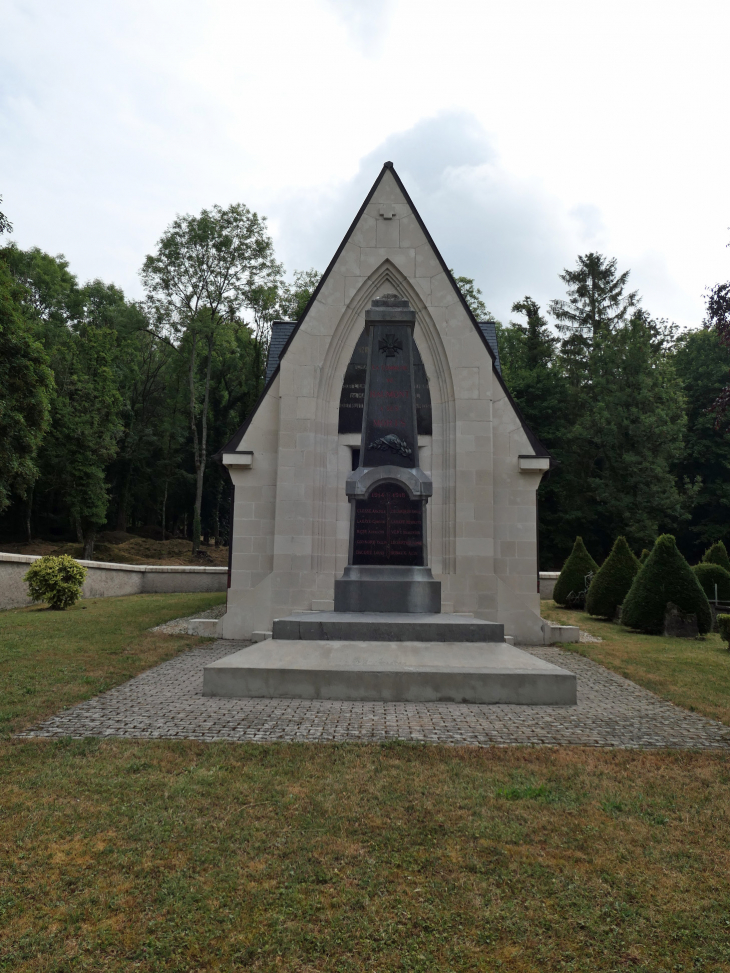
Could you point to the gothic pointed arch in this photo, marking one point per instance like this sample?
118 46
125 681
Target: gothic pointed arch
387 278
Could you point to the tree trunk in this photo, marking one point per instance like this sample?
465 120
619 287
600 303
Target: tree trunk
200 450
196 447
28 511
217 515
164 509
79 531
89 544
122 520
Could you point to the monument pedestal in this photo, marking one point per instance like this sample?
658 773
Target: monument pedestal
386 627
394 671
387 588
390 657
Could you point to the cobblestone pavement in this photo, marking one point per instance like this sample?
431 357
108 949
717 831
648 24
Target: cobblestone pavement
167 702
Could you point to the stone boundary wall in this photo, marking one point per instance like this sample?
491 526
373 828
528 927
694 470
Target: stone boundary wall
105 580
547 583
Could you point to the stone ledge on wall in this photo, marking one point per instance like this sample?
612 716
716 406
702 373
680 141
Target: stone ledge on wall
547 583
105 579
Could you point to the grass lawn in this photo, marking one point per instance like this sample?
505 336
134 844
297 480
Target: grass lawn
49 660
181 856
177 856
691 673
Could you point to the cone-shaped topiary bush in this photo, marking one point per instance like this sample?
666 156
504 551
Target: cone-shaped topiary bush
612 581
710 575
717 554
665 577
644 555
573 575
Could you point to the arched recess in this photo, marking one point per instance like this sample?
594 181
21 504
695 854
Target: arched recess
386 278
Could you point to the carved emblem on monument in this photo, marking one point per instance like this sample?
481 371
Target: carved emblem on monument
392 442
390 346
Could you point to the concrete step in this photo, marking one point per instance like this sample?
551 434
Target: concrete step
453 672
386 627
203 626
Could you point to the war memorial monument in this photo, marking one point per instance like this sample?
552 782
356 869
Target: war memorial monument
385 519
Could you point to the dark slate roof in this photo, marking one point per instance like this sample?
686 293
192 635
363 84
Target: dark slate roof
280 332
489 330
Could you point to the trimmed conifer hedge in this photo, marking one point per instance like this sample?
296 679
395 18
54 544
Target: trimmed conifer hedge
717 554
573 575
644 555
665 577
710 575
612 581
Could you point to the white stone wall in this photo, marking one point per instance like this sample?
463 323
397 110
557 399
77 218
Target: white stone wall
105 580
292 517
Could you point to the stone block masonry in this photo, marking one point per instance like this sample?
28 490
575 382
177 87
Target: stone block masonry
292 519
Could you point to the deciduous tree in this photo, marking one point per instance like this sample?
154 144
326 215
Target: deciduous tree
205 272
26 386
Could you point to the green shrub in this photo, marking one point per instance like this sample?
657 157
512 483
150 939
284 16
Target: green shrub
572 577
723 625
612 581
717 554
57 580
665 577
644 555
710 575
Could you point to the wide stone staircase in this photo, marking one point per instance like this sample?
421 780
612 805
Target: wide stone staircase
391 657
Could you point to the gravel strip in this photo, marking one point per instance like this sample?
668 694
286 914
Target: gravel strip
179 626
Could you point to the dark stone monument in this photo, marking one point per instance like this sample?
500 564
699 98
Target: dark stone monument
388 492
679 624
352 397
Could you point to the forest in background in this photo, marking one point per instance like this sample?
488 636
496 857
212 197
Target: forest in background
111 409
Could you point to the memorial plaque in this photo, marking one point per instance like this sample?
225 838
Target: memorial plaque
388 528
352 397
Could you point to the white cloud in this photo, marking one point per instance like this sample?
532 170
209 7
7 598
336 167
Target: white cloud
508 234
526 132
366 23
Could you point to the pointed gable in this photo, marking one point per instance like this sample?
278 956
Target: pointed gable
407 242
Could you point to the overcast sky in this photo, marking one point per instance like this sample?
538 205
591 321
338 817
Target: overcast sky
526 132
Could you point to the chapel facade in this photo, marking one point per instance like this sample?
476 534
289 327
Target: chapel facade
291 460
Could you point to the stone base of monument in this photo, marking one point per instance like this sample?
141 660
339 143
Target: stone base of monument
387 627
387 588
390 671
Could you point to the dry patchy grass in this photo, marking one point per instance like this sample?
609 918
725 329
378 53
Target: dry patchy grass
183 856
49 660
694 674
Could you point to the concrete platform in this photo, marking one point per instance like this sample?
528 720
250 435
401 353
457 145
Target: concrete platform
411 671
386 627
